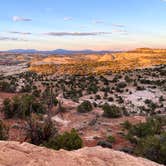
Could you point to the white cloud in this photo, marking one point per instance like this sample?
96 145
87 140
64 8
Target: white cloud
20 33
67 18
77 33
18 18
11 39
118 25
98 22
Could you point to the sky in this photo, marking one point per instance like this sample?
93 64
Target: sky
82 24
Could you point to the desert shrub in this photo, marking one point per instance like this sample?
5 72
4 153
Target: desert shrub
22 106
85 107
3 131
111 111
55 101
105 144
7 87
151 127
97 97
110 99
128 79
121 85
153 148
7 109
68 141
151 105
111 139
127 125
140 88
149 138
40 130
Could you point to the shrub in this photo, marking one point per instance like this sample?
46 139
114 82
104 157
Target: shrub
111 111
8 112
121 85
111 139
67 141
127 125
3 131
84 107
40 131
153 148
22 106
149 139
128 79
105 144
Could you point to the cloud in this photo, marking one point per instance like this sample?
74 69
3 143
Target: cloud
118 25
67 18
11 39
119 30
20 33
18 18
77 33
98 22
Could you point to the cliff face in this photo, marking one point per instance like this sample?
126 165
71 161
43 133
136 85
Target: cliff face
25 154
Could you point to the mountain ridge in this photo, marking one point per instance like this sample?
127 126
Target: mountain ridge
59 51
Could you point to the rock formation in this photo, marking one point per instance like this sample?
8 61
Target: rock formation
25 154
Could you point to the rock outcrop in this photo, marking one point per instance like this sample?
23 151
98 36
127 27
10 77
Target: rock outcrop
25 154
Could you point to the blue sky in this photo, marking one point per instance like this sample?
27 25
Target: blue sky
82 24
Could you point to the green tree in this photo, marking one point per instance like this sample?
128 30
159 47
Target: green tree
68 141
85 107
111 111
3 131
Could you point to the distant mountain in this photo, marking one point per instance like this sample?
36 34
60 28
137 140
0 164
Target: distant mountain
58 51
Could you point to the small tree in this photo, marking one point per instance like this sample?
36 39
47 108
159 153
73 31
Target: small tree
111 111
68 141
8 112
39 130
85 107
3 131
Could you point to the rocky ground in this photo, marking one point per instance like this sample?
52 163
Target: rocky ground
17 154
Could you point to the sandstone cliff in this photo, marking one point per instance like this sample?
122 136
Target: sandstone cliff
25 154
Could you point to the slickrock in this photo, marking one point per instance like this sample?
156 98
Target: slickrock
25 154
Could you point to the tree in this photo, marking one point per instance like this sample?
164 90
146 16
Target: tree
153 148
3 131
8 112
68 141
39 130
111 111
85 107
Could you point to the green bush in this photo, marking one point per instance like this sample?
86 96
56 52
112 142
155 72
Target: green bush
22 106
67 141
153 148
85 107
111 111
3 131
111 139
149 139
7 109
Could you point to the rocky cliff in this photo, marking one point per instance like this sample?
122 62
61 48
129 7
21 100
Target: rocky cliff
25 154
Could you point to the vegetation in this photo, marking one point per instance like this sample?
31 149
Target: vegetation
149 138
67 141
111 111
84 107
3 131
111 139
40 130
22 106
